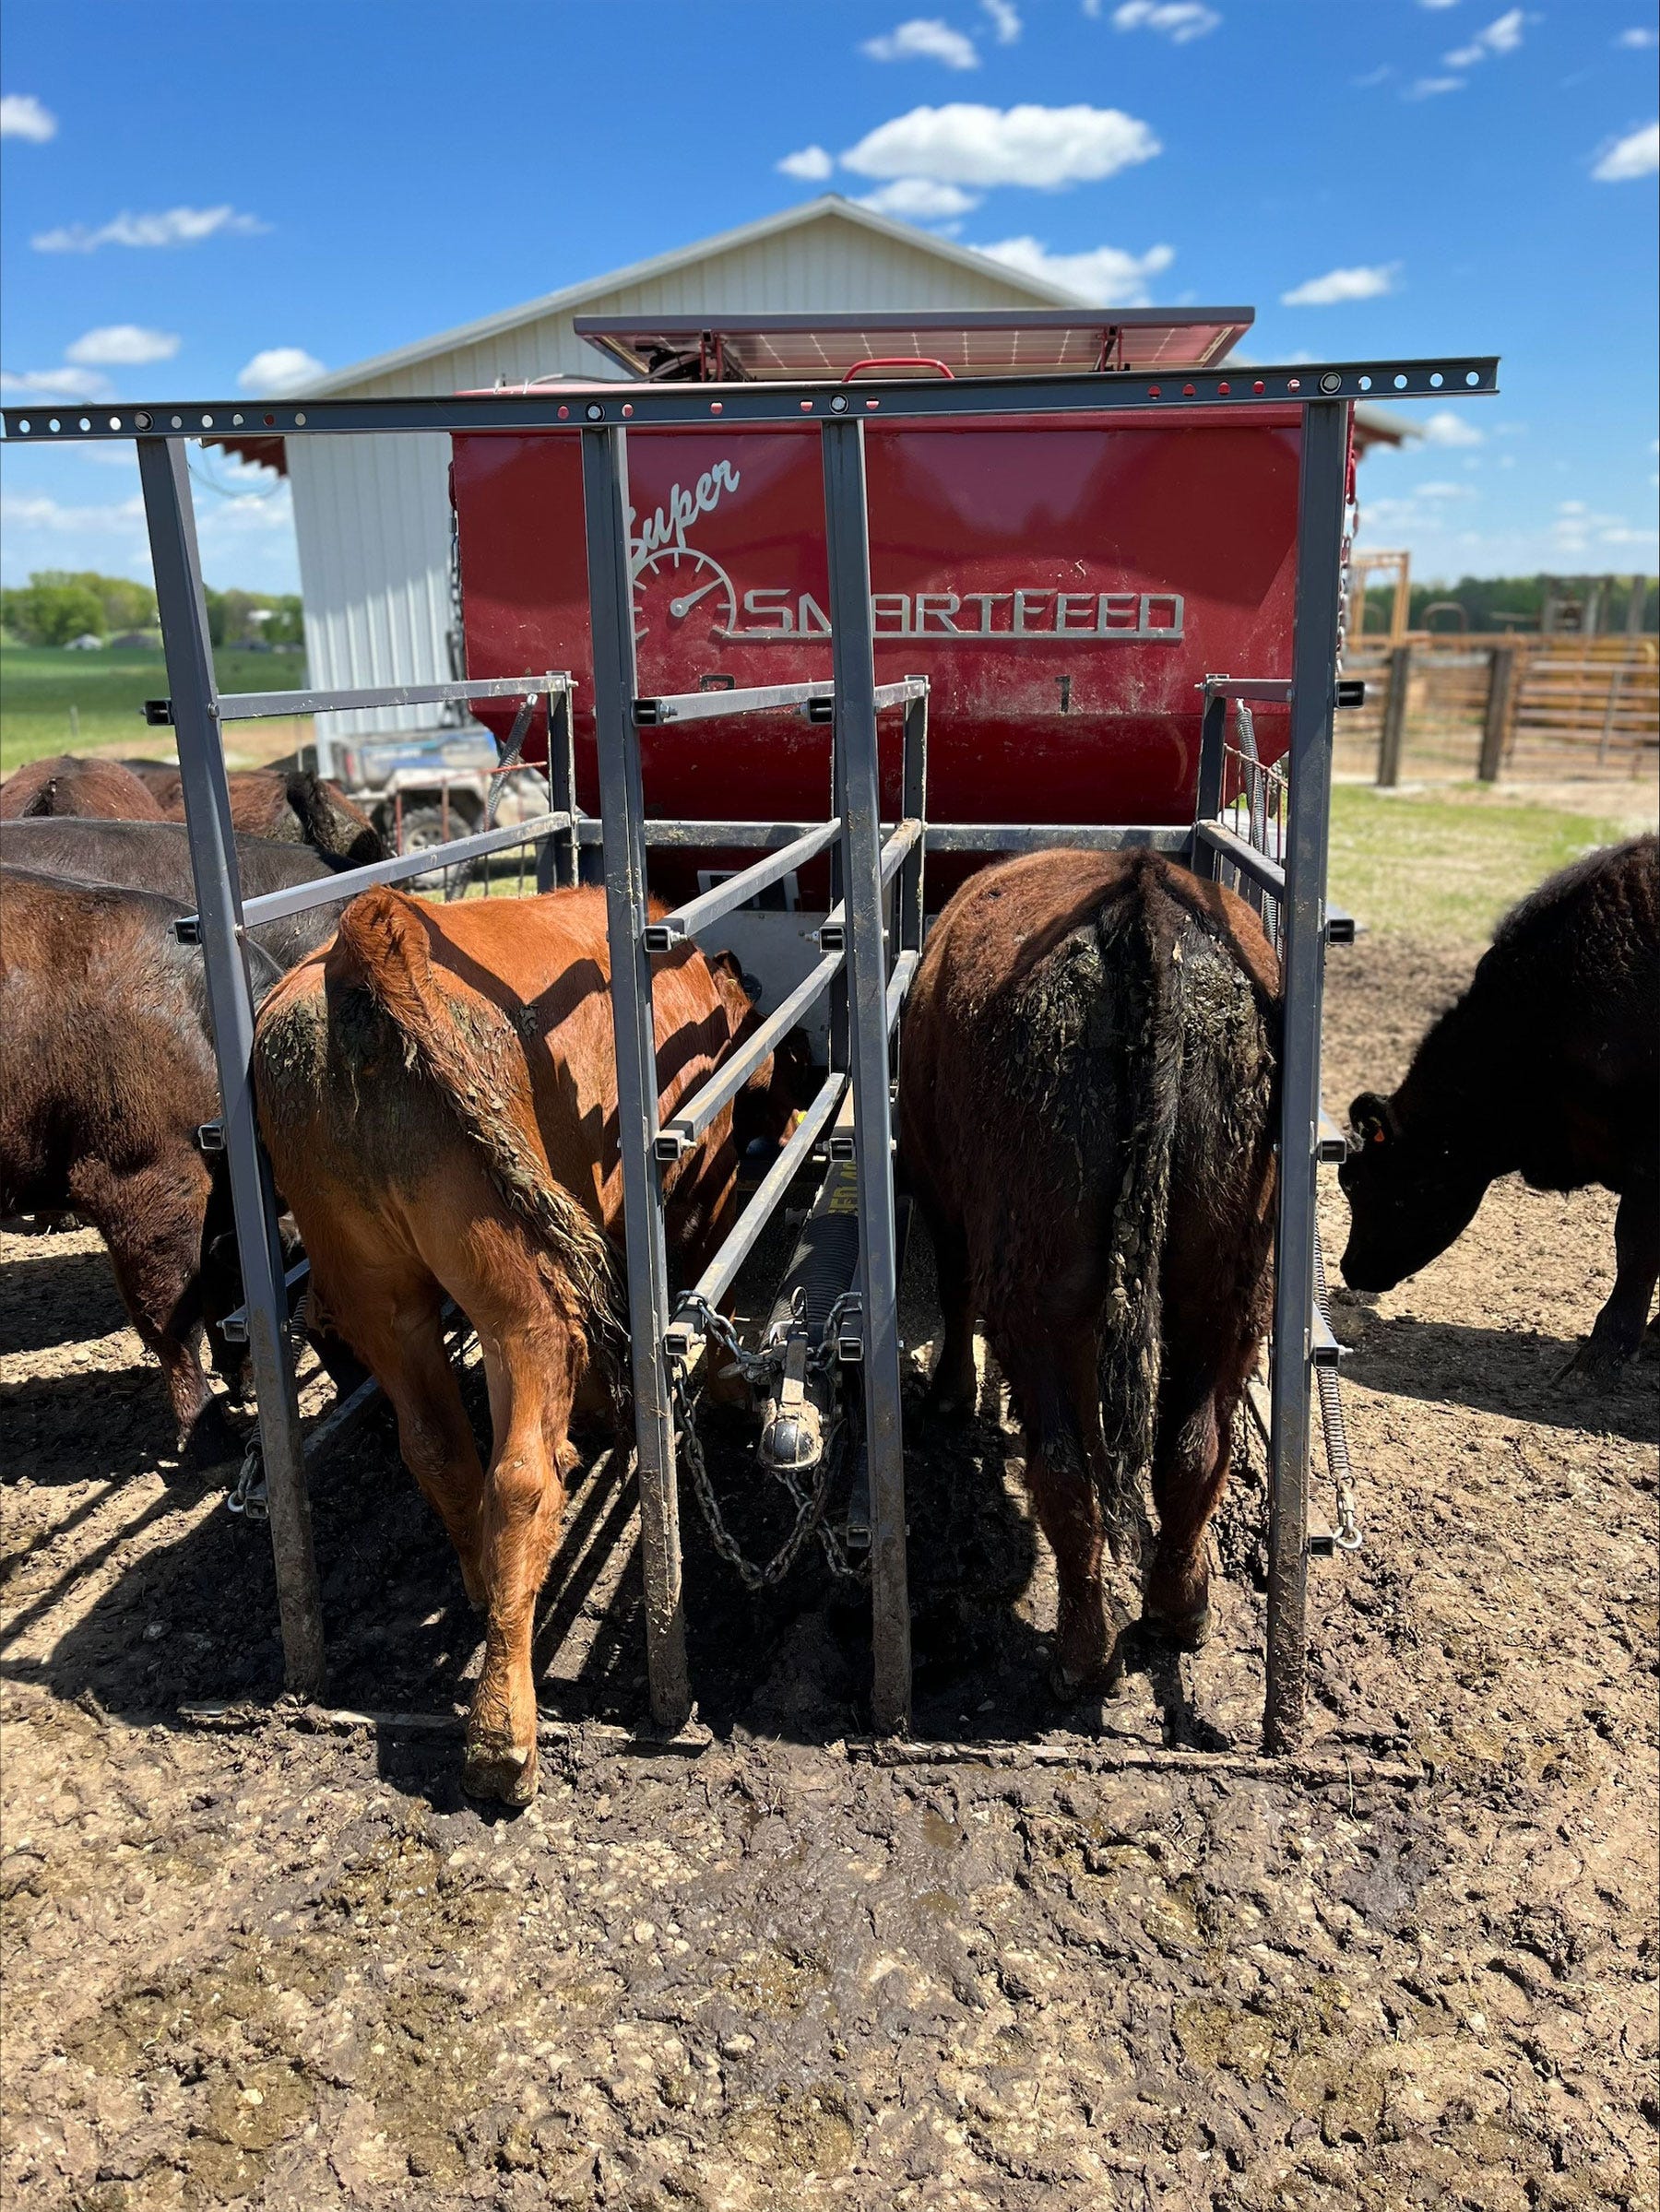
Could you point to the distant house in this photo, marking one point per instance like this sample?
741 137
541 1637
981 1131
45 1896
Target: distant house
86 642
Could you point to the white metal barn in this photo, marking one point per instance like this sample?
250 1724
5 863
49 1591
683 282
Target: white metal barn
373 515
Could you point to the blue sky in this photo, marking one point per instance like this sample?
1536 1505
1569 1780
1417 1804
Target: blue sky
188 187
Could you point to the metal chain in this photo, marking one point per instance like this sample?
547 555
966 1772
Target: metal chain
762 1367
250 1498
1350 1535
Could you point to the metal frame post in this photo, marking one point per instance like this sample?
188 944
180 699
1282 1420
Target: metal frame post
913 806
557 865
1213 738
622 812
1392 736
857 801
171 516
1321 503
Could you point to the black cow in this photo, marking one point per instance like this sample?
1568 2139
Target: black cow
1548 1067
155 856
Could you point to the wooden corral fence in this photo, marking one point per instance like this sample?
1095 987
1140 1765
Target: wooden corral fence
1443 707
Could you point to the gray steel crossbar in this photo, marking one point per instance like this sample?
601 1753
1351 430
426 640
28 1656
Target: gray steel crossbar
899 983
1038 836
1260 690
895 850
1243 857
255 706
697 914
938 836
693 1116
720 1274
1294 383
758 699
299 898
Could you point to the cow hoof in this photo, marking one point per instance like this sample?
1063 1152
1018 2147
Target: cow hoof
1596 1362
1101 1678
499 1771
950 1409
1185 1632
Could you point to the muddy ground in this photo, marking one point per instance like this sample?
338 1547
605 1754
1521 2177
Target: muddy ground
272 1960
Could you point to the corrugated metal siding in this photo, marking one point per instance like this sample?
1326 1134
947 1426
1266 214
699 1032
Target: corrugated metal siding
373 515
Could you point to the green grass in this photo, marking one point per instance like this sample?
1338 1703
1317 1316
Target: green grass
38 684
1445 866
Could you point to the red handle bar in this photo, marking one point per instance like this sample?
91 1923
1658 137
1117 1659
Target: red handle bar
898 361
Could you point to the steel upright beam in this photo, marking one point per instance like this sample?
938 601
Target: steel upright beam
1213 741
913 806
857 801
622 812
557 856
1323 480
172 520
1496 723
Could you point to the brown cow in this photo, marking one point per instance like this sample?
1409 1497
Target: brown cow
1086 1113
292 805
67 783
106 1073
438 1092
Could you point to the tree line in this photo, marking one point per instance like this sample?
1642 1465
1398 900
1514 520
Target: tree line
1488 600
57 606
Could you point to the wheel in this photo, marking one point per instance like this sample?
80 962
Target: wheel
423 825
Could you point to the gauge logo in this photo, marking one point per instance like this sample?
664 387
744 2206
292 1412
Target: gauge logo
670 576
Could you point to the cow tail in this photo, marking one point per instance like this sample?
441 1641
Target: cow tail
1131 1331
467 1050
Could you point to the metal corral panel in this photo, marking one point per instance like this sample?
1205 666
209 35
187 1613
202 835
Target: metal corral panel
372 516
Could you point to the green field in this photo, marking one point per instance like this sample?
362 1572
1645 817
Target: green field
39 684
1445 866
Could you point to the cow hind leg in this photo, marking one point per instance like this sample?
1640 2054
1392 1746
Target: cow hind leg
1052 1380
404 1348
1617 1335
954 1388
1190 1458
532 1359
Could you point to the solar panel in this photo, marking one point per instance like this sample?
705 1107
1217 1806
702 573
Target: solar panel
809 349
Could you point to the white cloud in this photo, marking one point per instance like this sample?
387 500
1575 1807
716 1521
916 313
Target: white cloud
1636 155
124 344
1637 40
924 39
1446 491
1179 20
812 164
1005 21
1503 35
1379 76
919 200
173 227
278 370
1046 148
1447 426
1341 285
22 116
84 384
35 510
1438 4
1107 277
1430 88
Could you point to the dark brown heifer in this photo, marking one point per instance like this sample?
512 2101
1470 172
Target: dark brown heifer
438 1091
106 1073
292 805
69 785
1086 1113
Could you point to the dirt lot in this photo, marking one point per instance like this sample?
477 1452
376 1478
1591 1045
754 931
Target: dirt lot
268 1961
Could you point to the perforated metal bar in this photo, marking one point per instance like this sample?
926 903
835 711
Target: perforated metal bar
1294 383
